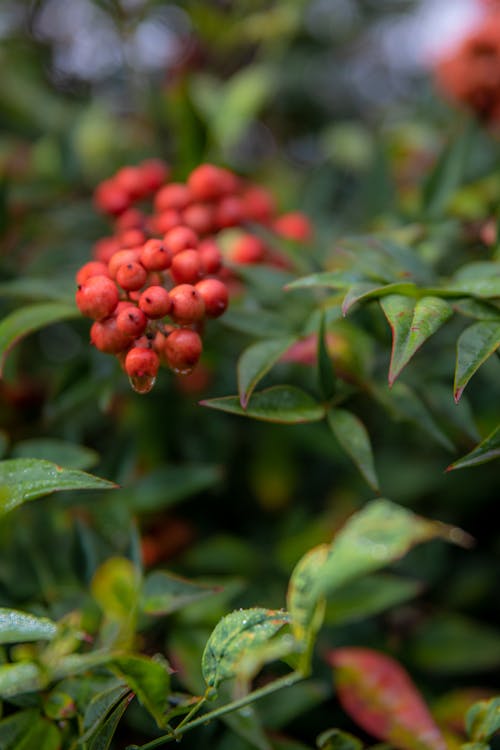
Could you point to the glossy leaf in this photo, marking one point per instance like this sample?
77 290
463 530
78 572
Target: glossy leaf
305 606
24 479
354 439
29 319
412 323
163 593
24 677
282 403
326 375
483 720
16 626
487 450
101 740
72 456
256 361
149 680
474 346
236 633
99 708
379 695
366 292
328 279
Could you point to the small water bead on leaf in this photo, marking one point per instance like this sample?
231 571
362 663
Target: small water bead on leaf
142 384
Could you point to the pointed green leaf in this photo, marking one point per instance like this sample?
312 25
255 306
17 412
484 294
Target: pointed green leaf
412 323
167 486
473 308
23 677
483 720
256 361
447 174
163 593
305 607
42 735
149 680
32 289
474 346
326 375
281 403
100 707
487 450
258 323
72 456
367 291
23 479
28 319
335 739
235 634
329 279
15 726
18 627
354 439
368 596
101 740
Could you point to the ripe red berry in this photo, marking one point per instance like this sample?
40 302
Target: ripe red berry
110 198
187 304
132 218
154 172
131 276
174 195
92 268
104 249
186 267
97 297
210 256
131 321
106 337
155 302
183 349
167 220
199 217
155 256
294 226
140 363
259 204
180 238
131 238
121 257
208 182
229 212
215 296
248 249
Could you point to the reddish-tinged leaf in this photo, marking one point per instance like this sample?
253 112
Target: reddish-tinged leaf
380 696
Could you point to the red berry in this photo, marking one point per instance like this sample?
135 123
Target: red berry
208 182
294 226
92 268
104 249
186 267
210 256
120 258
167 220
97 297
131 276
183 349
130 181
140 363
174 195
131 321
106 337
229 212
155 256
110 198
180 238
155 302
248 249
154 172
187 304
132 218
215 296
199 217
131 238
259 204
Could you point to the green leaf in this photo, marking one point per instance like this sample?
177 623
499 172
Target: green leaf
281 403
149 680
115 587
15 726
28 319
101 740
335 739
329 279
412 323
365 292
354 439
474 346
72 456
42 735
24 479
473 308
451 644
256 322
448 173
256 361
31 289
100 707
163 593
305 607
235 634
487 450
326 375
24 677
18 627
483 720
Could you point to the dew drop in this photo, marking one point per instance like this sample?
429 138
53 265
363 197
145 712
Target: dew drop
185 371
142 383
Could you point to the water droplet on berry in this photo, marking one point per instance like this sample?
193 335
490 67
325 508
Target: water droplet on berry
142 383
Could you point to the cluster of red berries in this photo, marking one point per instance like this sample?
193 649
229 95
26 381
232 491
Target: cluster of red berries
470 74
152 284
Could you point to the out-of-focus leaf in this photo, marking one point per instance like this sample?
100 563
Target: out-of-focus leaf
101 740
412 323
28 319
258 323
23 677
256 361
451 644
329 279
149 680
487 450
168 485
335 739
473 308
326 375
32 289
100 707
474 346
300 698
281 403
380 696
70 455
23 479
115 587
236 633
354 439
483 720
163 593
306 608
16 726
450 709
18 626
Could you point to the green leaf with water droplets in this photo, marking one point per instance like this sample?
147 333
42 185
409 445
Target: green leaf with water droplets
282 403
412 323
24 677
478 342
487 450
16 626
235 634
23 479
